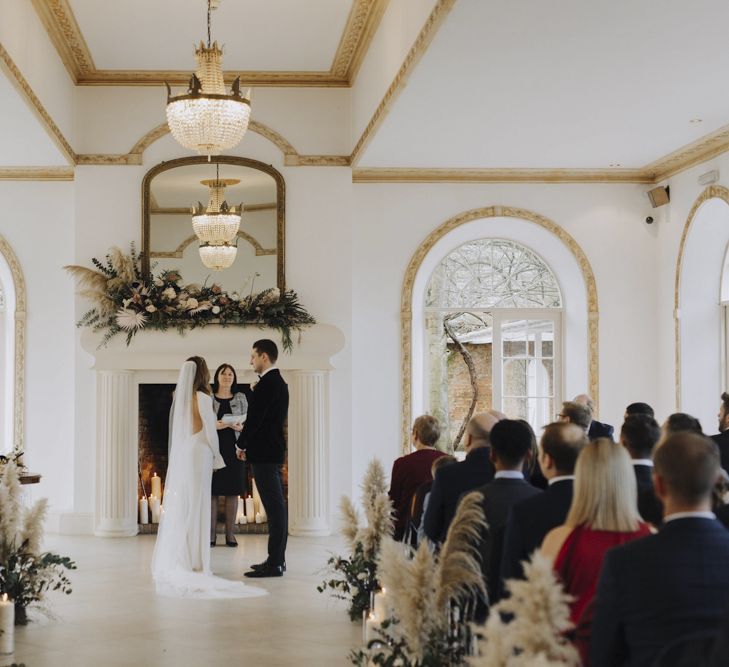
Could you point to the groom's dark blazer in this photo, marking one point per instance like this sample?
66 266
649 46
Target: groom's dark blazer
263 434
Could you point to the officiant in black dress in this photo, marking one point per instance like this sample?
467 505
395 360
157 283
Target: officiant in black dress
231 480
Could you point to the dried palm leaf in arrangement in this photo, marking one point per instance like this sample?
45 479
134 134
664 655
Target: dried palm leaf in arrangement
540 615
356 574
423 591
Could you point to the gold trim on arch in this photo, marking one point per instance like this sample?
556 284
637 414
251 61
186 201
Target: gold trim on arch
60 23
406 300
19 366
711 192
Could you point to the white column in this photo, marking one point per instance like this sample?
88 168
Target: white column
308 444
116 456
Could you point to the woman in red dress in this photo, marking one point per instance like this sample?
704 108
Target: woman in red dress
603 514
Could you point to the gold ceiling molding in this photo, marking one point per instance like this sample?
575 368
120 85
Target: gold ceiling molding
178 252
419 47
19 370
711 192
406 298
36 174
416 175
699 151
16 77
60 24
364 18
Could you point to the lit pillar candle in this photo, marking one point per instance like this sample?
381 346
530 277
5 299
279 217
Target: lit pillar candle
383 609
241 512
156 486
143 511
371 625
250 510
7 625
257 504
154 506
259 517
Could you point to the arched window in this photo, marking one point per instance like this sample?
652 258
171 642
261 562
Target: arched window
493 312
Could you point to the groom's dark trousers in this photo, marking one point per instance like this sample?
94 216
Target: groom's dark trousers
265 446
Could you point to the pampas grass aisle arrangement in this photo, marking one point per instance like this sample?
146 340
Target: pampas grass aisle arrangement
534 637
26 573
356 575
426 593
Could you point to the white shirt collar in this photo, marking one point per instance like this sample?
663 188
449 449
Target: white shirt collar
560 478
689 515
643 462
509 474
270 368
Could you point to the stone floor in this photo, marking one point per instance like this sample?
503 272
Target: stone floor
113 617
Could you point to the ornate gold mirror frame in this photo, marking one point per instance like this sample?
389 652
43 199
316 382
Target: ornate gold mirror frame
19 333
219 159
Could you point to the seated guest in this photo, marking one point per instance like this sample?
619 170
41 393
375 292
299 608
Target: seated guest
530 520
576 413
722 438
452 482
422 497
409 472
596 429
672 584
532 472
680 421
511 442
603 514
639 435
639 409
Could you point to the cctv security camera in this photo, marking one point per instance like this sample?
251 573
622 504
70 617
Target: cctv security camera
649 220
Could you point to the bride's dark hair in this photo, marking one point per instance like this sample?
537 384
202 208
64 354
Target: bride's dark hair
202 375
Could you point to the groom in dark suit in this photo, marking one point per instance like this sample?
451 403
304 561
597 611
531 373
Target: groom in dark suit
264 447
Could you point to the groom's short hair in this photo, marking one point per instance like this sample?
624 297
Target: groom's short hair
269 347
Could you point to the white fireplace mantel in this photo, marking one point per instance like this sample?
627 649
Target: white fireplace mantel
156 356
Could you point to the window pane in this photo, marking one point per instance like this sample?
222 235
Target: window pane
516 408
515 377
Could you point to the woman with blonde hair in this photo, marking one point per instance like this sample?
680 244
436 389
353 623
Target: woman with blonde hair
603 514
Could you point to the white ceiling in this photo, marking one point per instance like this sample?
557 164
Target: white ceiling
257 34
24 141
181 186
570 84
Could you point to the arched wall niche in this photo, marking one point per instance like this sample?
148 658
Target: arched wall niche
700 274
13 381
563 255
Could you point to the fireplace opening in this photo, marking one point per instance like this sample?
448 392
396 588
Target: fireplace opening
155 401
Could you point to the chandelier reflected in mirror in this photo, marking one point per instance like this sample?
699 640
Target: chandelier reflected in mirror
217 224
207 119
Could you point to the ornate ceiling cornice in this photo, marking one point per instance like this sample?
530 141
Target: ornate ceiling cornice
60 23
36 174
407 175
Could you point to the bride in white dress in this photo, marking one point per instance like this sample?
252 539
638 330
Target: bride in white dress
181 560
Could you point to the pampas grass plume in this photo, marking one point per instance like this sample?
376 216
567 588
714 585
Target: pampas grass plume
350 520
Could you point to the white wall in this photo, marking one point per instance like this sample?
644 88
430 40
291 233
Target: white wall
37 221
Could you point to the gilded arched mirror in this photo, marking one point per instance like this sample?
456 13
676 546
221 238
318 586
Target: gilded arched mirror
171 189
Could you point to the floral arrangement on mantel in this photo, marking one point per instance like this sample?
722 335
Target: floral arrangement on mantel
356 574
26 573
126 301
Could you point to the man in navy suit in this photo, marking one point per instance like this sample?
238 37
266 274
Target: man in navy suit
511 442
263 444
452 481
673 584
639 435
530 520
722 438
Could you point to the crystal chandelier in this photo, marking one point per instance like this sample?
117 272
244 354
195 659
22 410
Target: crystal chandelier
217 256
207 119
218 223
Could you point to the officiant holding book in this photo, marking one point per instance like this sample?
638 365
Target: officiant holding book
230 406
263 445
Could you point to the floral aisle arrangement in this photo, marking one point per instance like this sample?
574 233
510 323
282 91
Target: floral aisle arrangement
428 594
126 301
356 575
539 616
26 573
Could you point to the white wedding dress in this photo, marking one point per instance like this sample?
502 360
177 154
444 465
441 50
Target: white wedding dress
181 560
